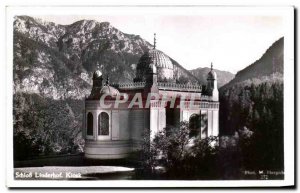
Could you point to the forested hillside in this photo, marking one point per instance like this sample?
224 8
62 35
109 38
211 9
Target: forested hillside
255 103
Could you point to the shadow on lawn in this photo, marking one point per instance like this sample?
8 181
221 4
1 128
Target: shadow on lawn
72 160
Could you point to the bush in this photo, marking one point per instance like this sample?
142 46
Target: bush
181 156
148 154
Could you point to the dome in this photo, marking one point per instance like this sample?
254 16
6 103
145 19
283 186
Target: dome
97 74
212 75
156 57
160 59
109 91
163 66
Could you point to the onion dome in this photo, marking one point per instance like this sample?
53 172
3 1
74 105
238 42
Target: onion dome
212 75
158 58
97 74
155 61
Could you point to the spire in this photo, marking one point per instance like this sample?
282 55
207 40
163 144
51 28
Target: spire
154 41
211 66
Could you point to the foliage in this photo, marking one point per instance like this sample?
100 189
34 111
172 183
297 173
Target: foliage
183 157
252 119
233 153
172 143
257 106
44 126
149 153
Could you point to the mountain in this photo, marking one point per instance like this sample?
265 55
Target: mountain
271 63
57 61
223 76
253 100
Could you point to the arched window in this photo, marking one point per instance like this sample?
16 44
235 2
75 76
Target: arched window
103 124
90 124
194 125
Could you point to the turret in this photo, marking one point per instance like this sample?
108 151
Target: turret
97 79
212 88
97 84
151 79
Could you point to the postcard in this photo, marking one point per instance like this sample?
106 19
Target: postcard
150 96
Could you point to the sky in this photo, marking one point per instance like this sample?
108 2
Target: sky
230 42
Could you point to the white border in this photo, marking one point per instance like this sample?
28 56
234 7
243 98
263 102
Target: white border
286 12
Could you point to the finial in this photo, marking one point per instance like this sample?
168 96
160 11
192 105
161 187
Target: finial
154 40
107 80
211 66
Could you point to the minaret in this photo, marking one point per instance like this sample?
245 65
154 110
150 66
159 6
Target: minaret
151 79
212 88
97 83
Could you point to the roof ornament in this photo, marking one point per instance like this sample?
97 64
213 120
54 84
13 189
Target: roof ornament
211 66
97 73
107 80
154 41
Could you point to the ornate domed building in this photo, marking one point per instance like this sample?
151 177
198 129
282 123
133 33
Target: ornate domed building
117 115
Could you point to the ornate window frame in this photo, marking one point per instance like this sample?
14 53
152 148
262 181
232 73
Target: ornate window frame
103 137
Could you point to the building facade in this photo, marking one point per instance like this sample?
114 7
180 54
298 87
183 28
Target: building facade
116 115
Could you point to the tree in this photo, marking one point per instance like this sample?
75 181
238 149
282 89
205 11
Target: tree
182 157
172 143
43 126
258 105
149 153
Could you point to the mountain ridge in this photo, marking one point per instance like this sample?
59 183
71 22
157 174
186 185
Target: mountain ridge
223 76
269 64
72 52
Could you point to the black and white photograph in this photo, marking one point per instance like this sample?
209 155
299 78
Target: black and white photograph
155 96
